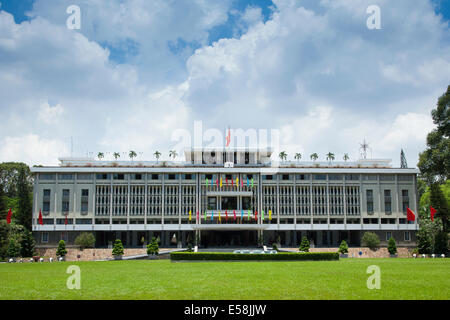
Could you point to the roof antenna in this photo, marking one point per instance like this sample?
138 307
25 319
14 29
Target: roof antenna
363 149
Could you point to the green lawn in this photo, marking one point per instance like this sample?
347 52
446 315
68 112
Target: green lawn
162 279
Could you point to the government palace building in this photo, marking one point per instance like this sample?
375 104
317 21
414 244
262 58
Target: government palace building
224 198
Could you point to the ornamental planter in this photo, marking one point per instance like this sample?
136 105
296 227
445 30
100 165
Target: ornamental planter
63 258
343 255
393 255
152 257
118 257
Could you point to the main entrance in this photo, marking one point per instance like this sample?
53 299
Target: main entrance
245 238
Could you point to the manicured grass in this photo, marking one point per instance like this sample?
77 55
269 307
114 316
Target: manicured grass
162 279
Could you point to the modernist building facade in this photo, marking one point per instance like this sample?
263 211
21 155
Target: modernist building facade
224 198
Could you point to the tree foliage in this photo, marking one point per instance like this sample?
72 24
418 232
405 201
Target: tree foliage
434 162
371 240
152 247
61 251
118 248
24 212
85 240
304 245
392 247
9 176
343 247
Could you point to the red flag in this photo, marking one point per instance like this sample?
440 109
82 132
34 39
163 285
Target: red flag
217 182
232 183
65 221
226 180
234 212
242 183
256 215
432 211
41 222
410 216
8 217
197 215
226 215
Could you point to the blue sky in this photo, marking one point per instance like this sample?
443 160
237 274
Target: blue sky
139 72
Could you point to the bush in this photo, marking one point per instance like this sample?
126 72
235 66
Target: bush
392 248
27 244
118 248
152 247
189 248
228 256
343 248
441 243
85 240
371 240
274 246
304 245
61 251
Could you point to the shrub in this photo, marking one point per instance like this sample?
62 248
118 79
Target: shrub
343 248
228 256
274 246
371 240
27 244
392 248
189 248
118 248
85 240
61 251
152 247
441 243
304 245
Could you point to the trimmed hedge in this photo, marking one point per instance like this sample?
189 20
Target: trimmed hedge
205 256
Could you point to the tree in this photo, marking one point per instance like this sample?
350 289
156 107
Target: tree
173 154
330 157
343 247
314 156
157 154
152 247
85 240
392 247
13 248
346 157
304 245
298 156
441 204
371 240
27 244
24 212
441 243
424 241
434 162
132 154
118 248
61 251
9 174
100 155
3 204
283 155
116 155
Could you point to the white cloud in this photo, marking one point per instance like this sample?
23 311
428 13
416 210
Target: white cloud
50 114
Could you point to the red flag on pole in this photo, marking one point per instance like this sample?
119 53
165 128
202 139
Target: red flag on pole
410 216
41 222
197 215
226 215
8 217
234 212
256 215
226 181
432 211
65 221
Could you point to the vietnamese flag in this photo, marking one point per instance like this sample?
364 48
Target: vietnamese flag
41 222
65 221
8 217
198 215
226 215
256 215
217 182
410 216
432 211
234 212
242 183
232 182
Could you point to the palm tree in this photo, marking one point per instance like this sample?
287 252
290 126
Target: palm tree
314 156
116 155
346 157
283 155
157 154
330 156
173 154
298 156
132 154
100 155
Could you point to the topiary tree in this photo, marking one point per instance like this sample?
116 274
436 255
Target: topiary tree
61 251
27 244
152 247
118 248
392 247
343 247
371 240
304 245
85 240
274 246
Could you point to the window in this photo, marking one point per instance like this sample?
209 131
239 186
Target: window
268 177
46 201
46 192
387 201
66 176
208 176
369 199
387 177
48 221
136 176
84 200
407 236
63 221
320 177
84 176
46 176
388 235
65 200
212 203
285 177
187 176
44 237
303 177
405 177
370 177
352 177
119 176
154 176
85 192
172 176
83 221
103 176
405 200
335 177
